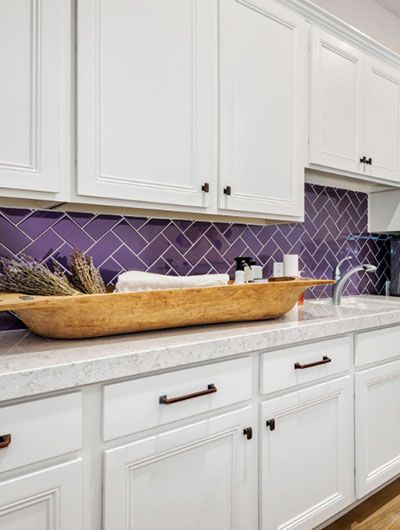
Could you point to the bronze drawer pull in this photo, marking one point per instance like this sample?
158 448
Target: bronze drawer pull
325 360
5 440
211 389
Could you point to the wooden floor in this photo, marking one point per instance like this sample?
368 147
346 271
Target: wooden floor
379 512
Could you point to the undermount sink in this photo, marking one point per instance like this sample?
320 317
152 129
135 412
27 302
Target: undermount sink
364 302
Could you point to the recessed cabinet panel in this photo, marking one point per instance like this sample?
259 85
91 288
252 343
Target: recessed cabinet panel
200 476
35 97
335 103
147 99
262 56
377 426
44 500
41 429
307 456
382 120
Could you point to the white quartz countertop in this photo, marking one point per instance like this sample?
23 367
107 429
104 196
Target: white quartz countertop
32 365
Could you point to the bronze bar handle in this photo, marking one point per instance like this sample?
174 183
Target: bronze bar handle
325 360
211 389
5 440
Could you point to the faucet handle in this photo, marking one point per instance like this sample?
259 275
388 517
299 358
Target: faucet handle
338 274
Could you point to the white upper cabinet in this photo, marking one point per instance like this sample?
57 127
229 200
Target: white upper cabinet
35 93
147 95
262 99
354 110
382 120
335 103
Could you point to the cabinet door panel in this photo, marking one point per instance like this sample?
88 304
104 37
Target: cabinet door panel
261 107
335 103
147 99
382 120
196 477
34 94
44 500
377 426
307 460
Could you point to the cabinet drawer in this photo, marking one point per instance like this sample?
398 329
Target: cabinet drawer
309 362
377 345
133 406
39 430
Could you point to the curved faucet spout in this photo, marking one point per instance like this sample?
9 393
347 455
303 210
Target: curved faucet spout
338 288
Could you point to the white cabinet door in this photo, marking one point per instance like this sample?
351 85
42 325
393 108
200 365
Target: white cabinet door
336 103
35 57
200 476
382 120
307 456
377 426
44 500
262 99
147 86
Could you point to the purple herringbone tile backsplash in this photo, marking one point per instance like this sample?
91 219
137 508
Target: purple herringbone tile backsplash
335 226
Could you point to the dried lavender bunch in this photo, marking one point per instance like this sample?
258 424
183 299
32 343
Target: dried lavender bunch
85 276
28 276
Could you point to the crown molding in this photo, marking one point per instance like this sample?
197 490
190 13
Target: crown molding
325 20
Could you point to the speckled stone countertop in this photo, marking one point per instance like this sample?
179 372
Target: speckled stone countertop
31 365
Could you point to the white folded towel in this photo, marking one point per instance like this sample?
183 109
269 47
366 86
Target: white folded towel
132 281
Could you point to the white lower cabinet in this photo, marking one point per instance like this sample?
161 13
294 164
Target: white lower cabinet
203 475
307 455
377 426
45 500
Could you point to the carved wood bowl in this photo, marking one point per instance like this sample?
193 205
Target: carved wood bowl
83 316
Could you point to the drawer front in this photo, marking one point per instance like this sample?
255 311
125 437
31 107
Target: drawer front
377 345
133 406
39 430
305 363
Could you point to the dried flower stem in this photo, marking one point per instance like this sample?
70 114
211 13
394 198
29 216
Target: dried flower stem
85 276
30 277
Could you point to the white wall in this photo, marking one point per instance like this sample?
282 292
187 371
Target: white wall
369 17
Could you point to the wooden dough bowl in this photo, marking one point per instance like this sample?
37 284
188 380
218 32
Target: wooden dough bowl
76 317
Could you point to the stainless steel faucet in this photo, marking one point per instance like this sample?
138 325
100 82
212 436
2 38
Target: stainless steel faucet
338 275
341 281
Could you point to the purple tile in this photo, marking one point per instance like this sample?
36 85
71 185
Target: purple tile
12 237
154 250
43 246
101 224
217 239
160 267
38 222
202 267
176 238
234 232
177 262
128 260
198 250
73 234
104 247
129 236
196 230
136 222
110 271
152 228
63 255
81 218
15 215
